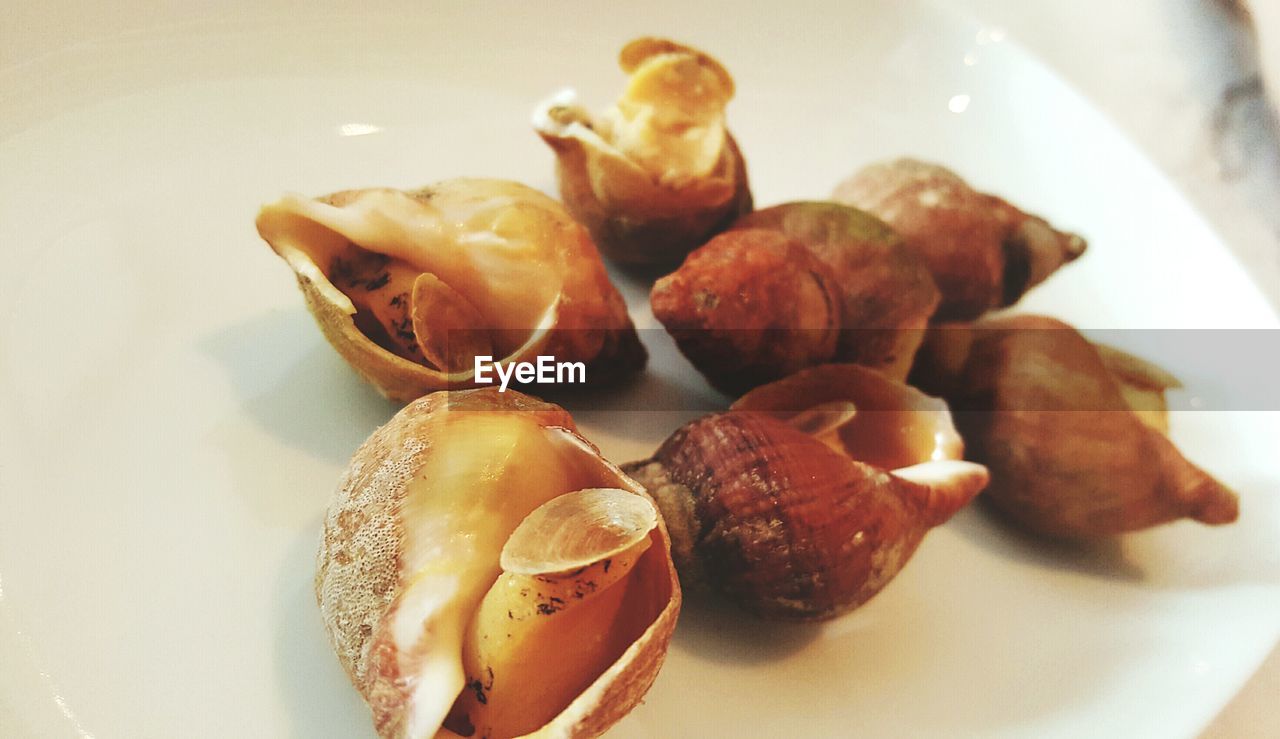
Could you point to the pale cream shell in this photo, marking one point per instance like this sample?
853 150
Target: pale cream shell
361 580
588 322
633 217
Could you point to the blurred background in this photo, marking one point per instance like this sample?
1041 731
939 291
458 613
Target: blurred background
1188 81
1196 85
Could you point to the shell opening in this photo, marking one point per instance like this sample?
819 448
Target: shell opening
669 121
560 614
436 277
1142 385
477 649
861 414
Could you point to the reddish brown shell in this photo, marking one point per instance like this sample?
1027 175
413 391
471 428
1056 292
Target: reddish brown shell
744 309
811 493
887 293
749 307
983 252
1053 417
784 525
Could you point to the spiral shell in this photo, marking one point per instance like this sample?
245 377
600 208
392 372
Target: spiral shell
773 506
794 286
1074 434
658 173
749 307
437 603
410 287
983 252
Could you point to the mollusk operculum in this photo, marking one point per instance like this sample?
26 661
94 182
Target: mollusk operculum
984 253
777 507
658 173
410 286
1075 434
476 543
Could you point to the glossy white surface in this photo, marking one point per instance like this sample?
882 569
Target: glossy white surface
174 422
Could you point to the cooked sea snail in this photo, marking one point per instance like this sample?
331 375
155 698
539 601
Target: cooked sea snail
793 286
749 307
1074 434
809 495
410 287
485 570
983 252
658 173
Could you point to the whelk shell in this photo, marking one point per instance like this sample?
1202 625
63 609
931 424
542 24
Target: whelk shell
749 307
809 496
1075 435
658 173
984 253
793 286
887 293
443 583
410 287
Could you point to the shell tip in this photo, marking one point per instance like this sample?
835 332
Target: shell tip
1212 503
1073 246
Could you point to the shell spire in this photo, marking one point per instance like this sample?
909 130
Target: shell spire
983 252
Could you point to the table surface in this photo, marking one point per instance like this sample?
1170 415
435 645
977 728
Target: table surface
1183 79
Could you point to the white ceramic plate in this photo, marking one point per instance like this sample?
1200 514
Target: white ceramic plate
173 422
